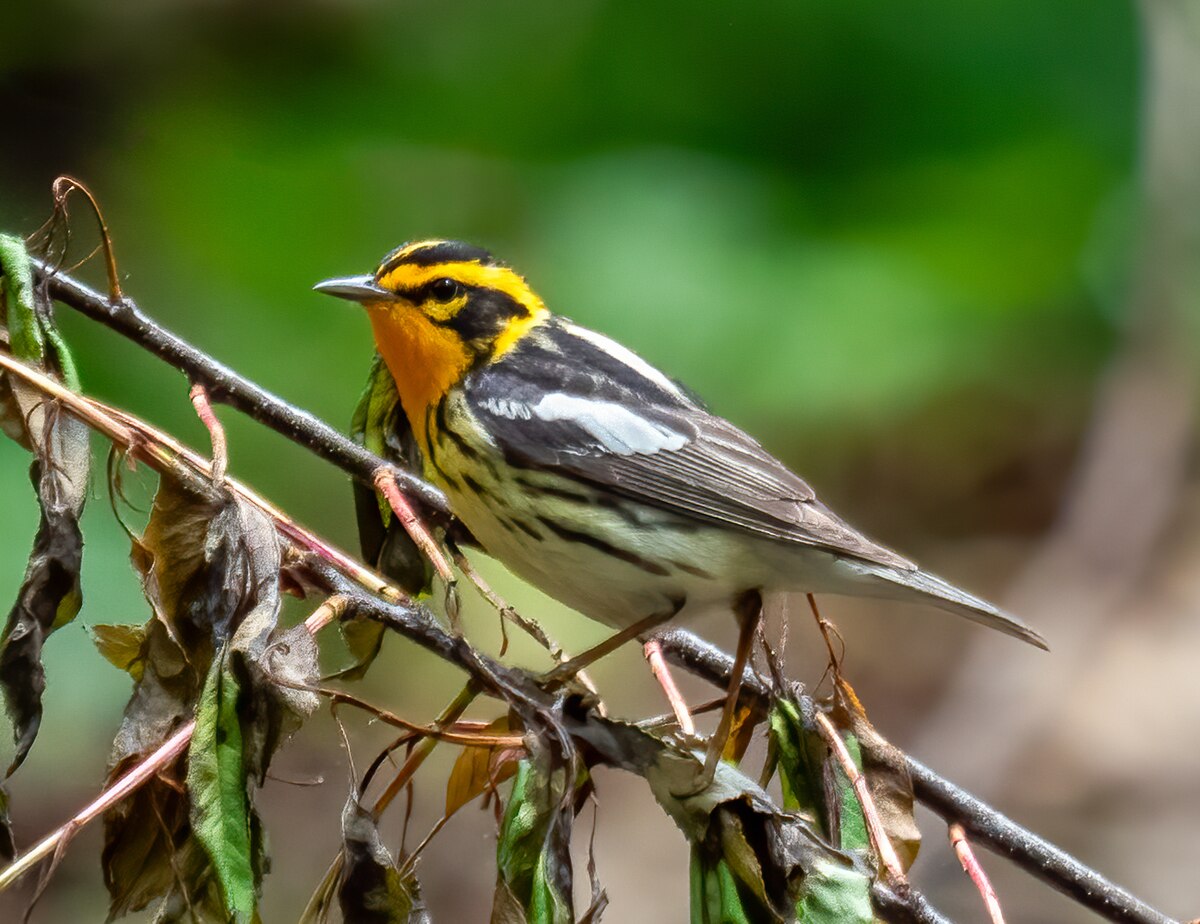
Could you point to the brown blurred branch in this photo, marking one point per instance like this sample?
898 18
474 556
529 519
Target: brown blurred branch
1133 463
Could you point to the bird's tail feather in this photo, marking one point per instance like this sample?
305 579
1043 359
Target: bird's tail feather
921 585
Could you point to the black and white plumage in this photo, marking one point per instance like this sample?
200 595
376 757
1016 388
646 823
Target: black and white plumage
568 402
594 476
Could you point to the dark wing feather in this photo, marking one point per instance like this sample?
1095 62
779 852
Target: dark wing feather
698 465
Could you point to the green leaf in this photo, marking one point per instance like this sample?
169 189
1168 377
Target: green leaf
715 896
853 826
220 804
533 856
836 894
834 889
801 760
25 337
373 414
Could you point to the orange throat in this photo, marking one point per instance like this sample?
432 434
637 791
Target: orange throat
425 360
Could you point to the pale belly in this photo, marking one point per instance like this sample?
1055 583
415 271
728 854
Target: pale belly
614 562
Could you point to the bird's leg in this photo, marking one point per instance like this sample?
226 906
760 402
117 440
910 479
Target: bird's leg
747 608
568 669
652 649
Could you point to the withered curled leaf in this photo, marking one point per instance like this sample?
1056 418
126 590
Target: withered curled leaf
372 889
50 594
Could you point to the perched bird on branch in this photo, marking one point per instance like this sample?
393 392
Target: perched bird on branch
593 475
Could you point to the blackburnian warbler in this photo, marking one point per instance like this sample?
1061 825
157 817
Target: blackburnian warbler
594 476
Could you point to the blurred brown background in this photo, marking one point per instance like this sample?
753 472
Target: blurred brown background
941 257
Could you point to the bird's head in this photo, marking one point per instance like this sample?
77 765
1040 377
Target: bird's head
438 309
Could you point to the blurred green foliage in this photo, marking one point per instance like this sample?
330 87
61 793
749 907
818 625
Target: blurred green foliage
845 224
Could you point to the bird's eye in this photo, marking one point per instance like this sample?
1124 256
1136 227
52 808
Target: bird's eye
444 290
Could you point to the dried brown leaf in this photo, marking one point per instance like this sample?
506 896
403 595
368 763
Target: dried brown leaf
479 770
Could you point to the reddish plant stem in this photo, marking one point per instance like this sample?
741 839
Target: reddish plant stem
971 866
216 432
883 845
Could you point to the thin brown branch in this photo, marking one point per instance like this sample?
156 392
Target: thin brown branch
124 786
228 387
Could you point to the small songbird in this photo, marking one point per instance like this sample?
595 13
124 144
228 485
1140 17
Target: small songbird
593 475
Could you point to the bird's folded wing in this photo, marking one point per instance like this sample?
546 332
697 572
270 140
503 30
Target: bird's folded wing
670 454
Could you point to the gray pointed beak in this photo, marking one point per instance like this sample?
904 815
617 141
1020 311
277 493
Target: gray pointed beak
354 288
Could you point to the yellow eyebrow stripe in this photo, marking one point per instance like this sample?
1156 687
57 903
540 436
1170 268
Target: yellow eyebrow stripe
500 278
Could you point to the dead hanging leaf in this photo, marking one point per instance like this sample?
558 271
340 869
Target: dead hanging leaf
273 666
50 594
206 560
363 638
121 646
146 835
741 733
888 780
480 770
210 568
371 889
